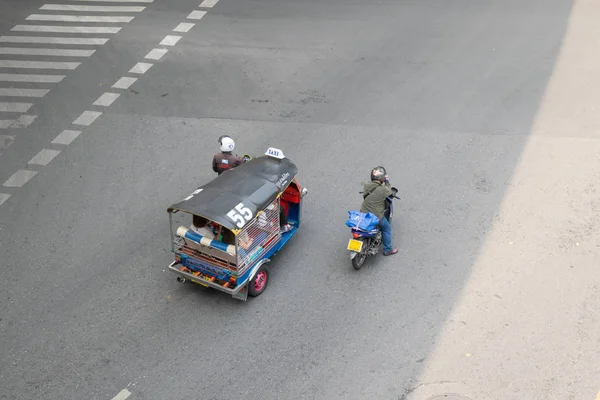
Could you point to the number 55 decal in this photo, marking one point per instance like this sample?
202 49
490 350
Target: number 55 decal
240 215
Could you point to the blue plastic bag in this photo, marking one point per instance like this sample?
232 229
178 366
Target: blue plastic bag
363 221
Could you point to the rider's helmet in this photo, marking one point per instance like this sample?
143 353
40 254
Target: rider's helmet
378 174
227 144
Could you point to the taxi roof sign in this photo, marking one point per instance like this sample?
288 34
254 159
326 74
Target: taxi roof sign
275 153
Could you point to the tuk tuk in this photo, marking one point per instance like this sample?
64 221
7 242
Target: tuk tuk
225 232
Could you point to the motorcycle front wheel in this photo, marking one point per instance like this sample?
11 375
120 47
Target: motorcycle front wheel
359 260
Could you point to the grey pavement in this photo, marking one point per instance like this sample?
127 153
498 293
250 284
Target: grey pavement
483 114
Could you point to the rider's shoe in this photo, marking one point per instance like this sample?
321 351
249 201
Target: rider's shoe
389 253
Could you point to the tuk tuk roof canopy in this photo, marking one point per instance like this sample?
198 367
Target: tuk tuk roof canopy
234 198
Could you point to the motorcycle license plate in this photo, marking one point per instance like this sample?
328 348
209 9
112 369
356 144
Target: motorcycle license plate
355 245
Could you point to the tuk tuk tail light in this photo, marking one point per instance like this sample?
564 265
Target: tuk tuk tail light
356 235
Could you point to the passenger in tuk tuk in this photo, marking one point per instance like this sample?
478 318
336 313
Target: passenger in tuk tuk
201 227
227 236
283 222
211 230
285 227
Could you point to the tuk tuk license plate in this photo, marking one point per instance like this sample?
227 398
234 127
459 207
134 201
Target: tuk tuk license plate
355 245
203 278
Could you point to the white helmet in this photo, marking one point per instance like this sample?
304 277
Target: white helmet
227 144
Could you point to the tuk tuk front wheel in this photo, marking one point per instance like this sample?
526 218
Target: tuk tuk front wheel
259 283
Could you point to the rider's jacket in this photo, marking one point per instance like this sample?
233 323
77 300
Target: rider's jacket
374 194
224 161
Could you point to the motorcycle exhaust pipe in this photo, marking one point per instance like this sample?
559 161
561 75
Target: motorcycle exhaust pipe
181 279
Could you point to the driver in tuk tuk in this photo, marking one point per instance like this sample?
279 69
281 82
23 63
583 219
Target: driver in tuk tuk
225 160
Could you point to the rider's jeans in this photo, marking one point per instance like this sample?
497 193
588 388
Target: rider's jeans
386 233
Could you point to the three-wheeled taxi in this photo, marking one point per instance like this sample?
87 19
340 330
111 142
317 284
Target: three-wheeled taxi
225 232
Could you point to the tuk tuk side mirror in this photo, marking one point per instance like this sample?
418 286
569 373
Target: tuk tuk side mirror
303 192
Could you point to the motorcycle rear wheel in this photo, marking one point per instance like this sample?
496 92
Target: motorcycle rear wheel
359 260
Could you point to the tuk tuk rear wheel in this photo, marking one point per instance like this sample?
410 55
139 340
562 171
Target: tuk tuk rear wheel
259 283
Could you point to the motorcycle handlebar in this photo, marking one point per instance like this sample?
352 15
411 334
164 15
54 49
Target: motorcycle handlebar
394 193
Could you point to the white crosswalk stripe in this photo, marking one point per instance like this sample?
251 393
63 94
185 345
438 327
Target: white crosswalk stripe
14 92
28 51
24 121
3 197
38 64
53 40
66 29
86 8
118 1
15 107
31 78
78 18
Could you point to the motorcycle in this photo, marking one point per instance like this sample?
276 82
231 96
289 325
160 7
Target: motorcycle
367 243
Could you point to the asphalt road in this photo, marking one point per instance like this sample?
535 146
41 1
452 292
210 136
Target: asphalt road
484 113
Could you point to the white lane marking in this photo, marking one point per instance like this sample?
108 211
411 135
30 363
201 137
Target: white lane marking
184 27
123 394
3 198
124 82
31 78
20 178
66 137
38 64
209 3
15 107
156 54
46 52
66 29
170 40
77 7
24 121
106 99
87 117
140 68
77 18
196 14
53 40
5 123
44 157
14 92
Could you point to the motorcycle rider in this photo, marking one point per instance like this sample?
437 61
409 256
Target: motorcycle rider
375 193
226 160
